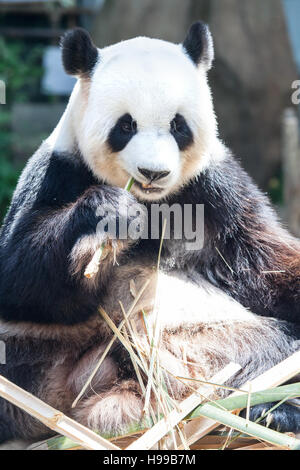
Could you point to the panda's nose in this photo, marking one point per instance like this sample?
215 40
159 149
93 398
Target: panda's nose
153 175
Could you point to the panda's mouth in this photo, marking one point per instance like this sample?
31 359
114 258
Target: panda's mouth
148 188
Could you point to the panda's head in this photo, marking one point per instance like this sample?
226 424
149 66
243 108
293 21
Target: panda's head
145 109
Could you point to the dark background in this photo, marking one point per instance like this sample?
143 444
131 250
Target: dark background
257 60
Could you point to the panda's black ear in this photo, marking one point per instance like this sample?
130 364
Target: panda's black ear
199 45
79 54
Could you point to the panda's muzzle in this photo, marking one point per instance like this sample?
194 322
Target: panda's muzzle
152 176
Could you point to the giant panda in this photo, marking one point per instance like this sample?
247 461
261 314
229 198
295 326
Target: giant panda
141 109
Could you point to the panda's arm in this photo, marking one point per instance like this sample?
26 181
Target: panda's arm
45 244
246 252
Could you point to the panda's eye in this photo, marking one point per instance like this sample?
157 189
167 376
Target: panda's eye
128 125
178 124
181 132
122 132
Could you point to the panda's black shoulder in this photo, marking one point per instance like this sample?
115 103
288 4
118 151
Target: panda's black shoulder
65 178
50 180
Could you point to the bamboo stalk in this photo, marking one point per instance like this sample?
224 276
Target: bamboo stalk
199 426
231 403
239 402
53 418
159 430
211 415
93 267
249 428
275 376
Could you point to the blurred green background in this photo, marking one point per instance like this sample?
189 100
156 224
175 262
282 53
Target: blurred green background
257 60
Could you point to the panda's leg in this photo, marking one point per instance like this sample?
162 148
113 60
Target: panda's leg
6 432
112 412
284 418
110 403
17 424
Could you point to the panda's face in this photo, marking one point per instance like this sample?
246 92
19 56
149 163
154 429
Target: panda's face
149 116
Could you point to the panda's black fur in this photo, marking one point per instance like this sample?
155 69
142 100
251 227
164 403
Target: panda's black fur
49 318
79 55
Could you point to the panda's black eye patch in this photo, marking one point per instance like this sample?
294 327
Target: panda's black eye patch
181 132
124 129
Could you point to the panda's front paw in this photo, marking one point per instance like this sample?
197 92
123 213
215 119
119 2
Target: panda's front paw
285 418
117 213
110 220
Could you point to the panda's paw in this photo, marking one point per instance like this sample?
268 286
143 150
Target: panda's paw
111 204
114 210
115 412
110 221
285 418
